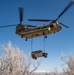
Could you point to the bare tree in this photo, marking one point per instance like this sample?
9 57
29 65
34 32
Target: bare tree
14 62
69 62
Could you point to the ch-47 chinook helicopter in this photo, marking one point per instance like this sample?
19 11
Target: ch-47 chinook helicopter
30 31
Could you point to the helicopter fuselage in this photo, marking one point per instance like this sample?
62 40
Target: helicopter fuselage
25 32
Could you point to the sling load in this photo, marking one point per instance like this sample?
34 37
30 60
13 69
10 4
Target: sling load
38 53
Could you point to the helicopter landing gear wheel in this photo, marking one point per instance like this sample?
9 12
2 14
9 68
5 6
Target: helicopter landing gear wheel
26 39
45 36
22 36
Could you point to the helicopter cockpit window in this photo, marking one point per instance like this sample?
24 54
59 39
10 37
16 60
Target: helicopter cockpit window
51 26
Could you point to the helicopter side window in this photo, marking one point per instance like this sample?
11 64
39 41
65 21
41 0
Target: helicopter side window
25 27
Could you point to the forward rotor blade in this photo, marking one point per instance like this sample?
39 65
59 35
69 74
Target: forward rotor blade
7 26
63 25
21 14
68 6
39 20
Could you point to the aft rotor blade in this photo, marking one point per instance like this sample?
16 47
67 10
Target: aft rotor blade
21 14
7 26
39 20
63 25
68 6
32 26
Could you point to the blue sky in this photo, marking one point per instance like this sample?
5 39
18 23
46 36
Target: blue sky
62 41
